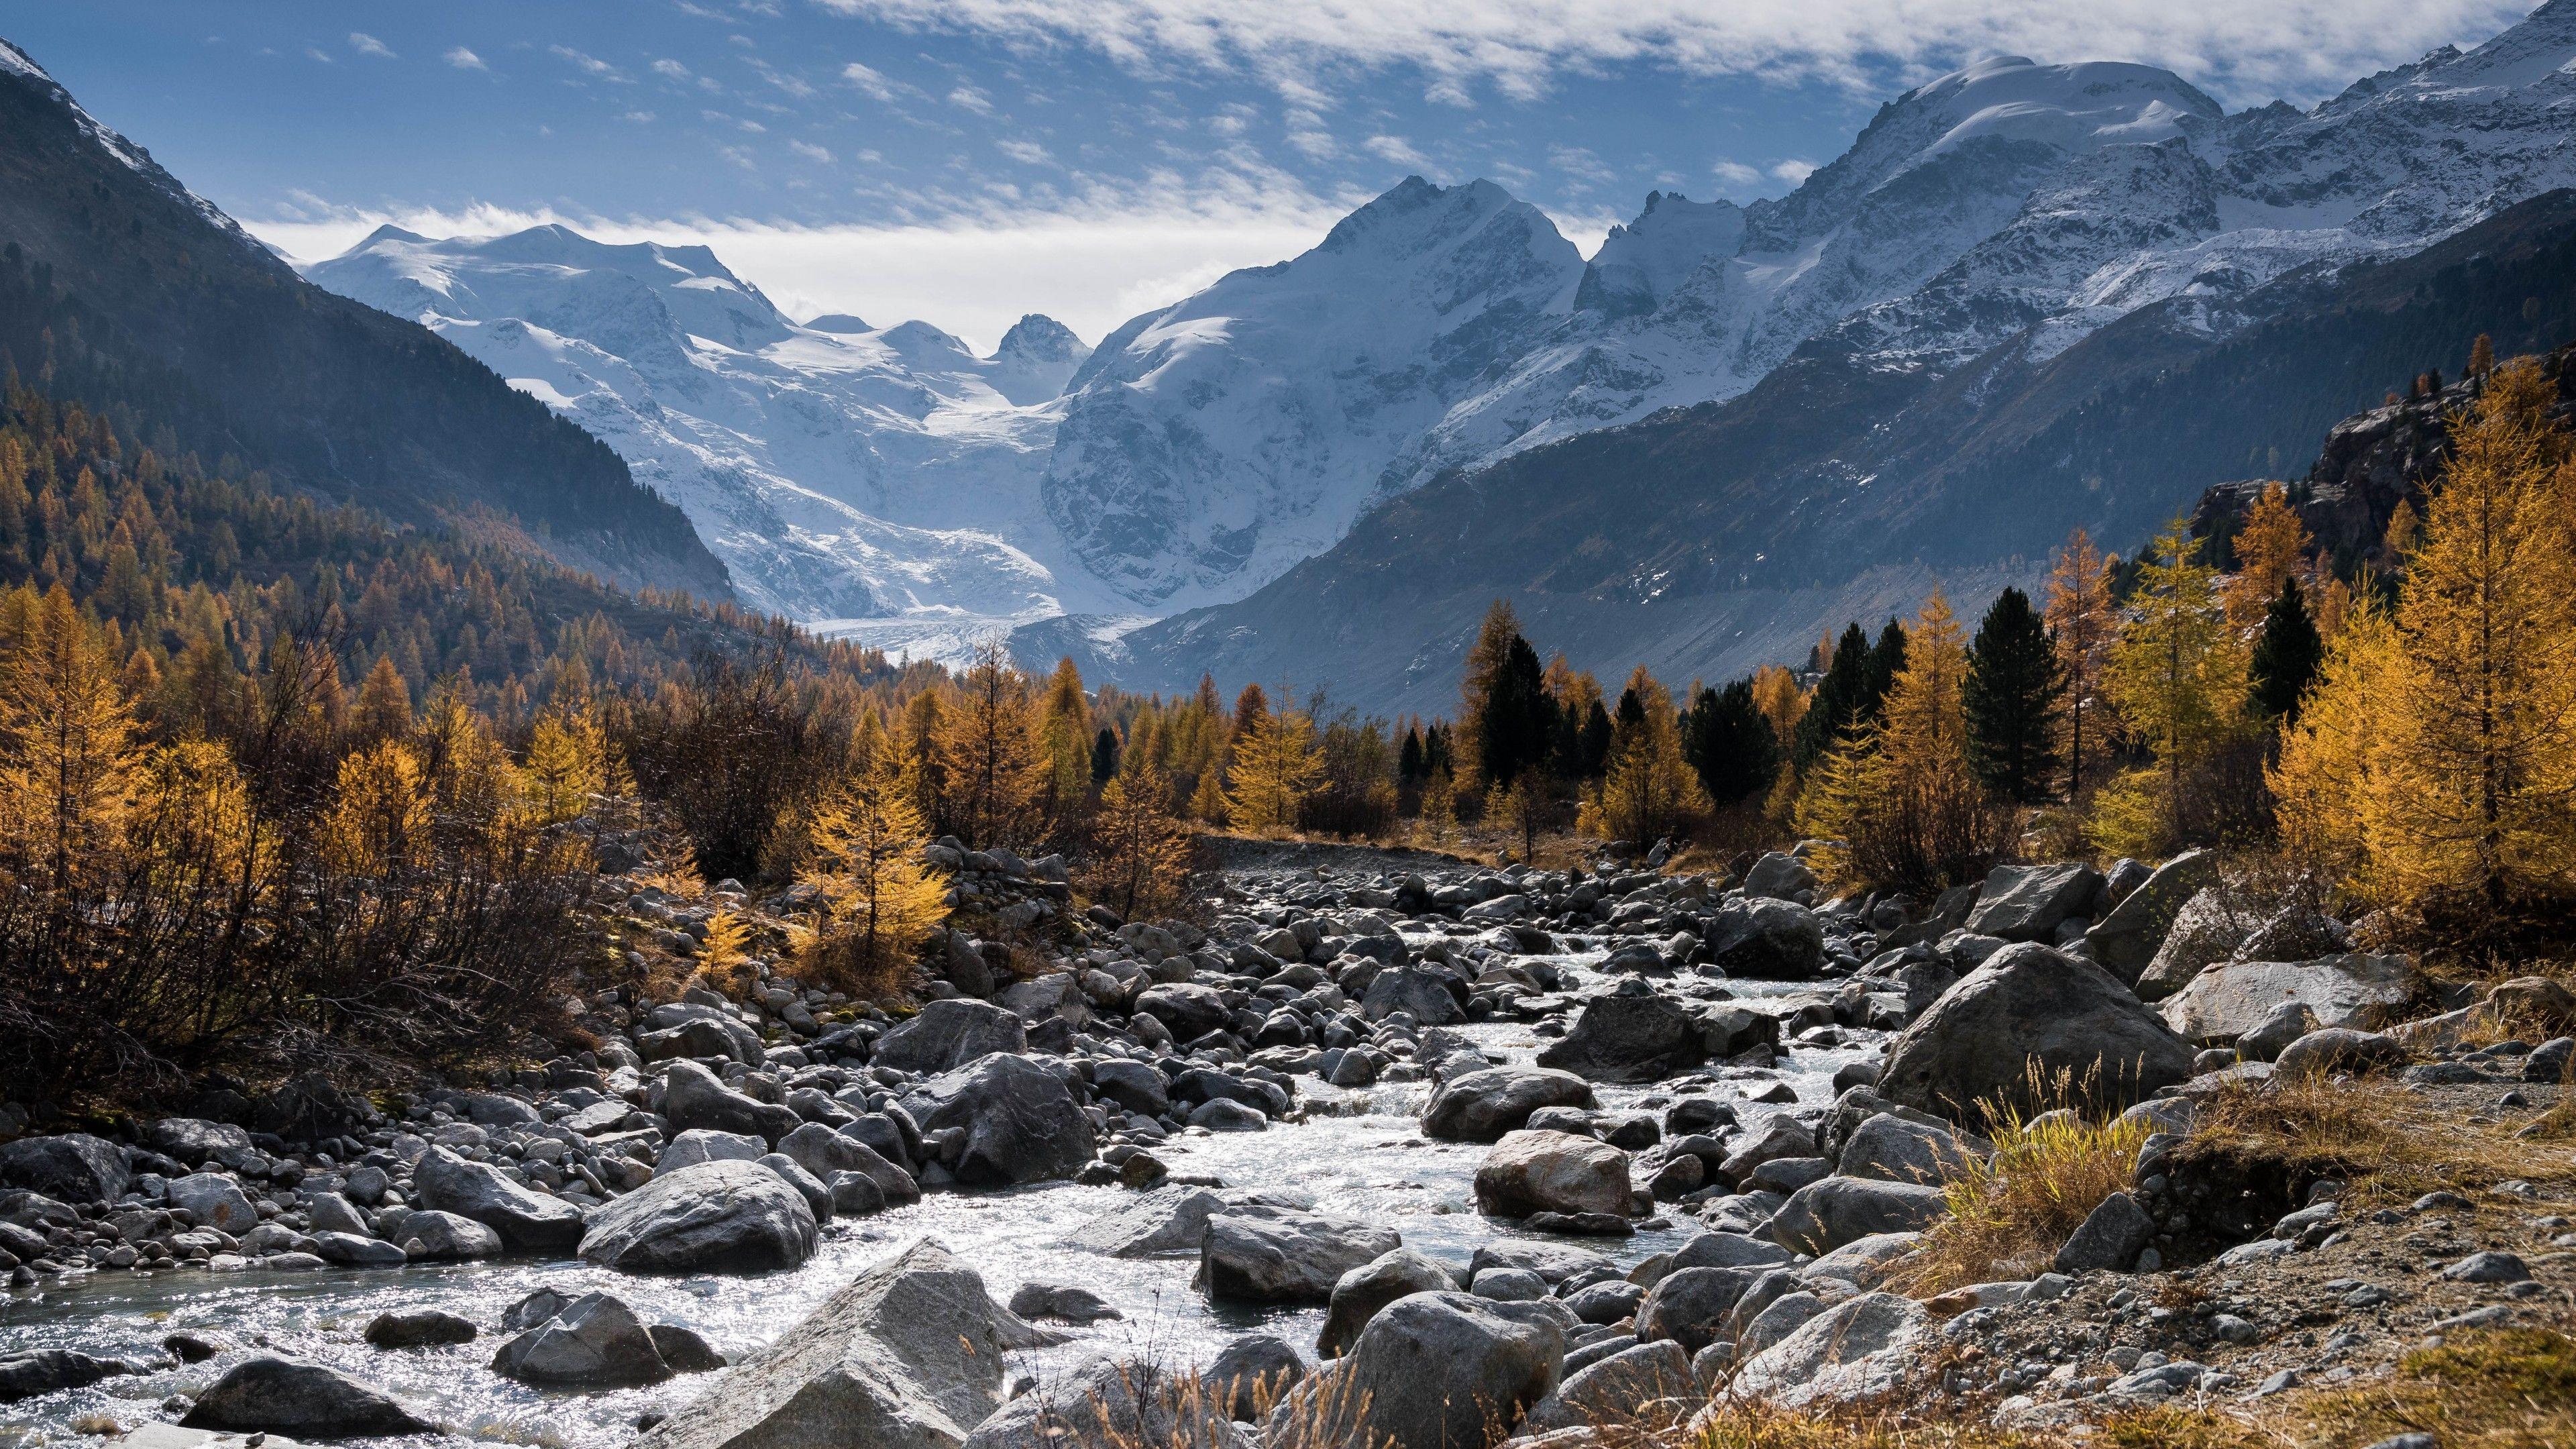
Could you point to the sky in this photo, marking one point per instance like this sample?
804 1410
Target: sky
967 161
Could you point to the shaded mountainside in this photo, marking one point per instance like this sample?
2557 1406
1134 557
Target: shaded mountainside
1705 540
139 293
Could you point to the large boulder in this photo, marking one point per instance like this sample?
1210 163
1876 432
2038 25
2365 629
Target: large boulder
1480 1106
1858 1349
2029 902
948 1034
300 1400
1022 1122
1185 1008
2031 1005
2126 940
1626 1037
442 1235
527 1222
1771 939
1552 1172
907 1356
1686 1305
1431 1371
215 1201
2207 930
1107 1404
1778 875
1252 1373
1361 1292
715 1216
824 1152
1894 1149
1423 991
692 1096
1168 1220
1832 1211
595 1341
71 1167
694 1029
1285 1257
1624 1389
195 1141
2228 1000
2340 1049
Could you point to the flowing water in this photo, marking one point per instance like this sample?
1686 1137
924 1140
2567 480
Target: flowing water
1359 1154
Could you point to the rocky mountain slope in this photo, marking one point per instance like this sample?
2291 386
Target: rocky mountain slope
183 315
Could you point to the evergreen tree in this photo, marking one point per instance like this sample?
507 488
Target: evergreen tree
1104 755
2081 622
2286 655
1517 725
1886 661
1901 801
1835 708
1649 790
1408 759
2010 697
1593 743
1732 746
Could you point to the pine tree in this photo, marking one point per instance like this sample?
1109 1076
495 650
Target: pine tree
1901 800
2271 548
2011 697
995 774
1593 742
1886 661
1064 738
1275 769
1104 756
72 747
2286 655
1777 694
1835 709
1649 789
2177 675
2080 619
1732 745
383 710
880 902
1516 725
1139 853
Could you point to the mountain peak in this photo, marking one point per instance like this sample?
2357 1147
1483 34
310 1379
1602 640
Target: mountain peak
1039 337
837 322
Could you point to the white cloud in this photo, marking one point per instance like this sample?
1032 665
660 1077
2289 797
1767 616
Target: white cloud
464 59
589 65
1793 171
671 69
2245 49
1735 173
365 44
318 53
810 151
1395 149
1027 153
640 118
870 80
1091 265
969 98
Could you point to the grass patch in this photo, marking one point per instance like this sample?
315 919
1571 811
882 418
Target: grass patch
1752 1424
2009 1215
2383 1140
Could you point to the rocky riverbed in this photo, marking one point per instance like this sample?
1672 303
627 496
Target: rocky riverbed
1545 1142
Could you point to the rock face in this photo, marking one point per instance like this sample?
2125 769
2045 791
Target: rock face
1364 1290
948 1034
693 1097
1853 1350
2126 940
1828 1213
1432 1371
907 1356
1286 1258
1772 939
1892 1149
2226 1001
1552 1172
1481 1106
2110 1237
2029 1004
1021 1121
72 1167
2028 902
1628 1038
726 1216
215 1201
596 1341
299 1400
2207 930
526 1222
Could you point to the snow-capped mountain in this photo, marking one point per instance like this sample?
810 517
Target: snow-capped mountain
842 472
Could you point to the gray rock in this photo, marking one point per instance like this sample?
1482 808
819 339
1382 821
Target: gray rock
715 1216
1729 1250
1605 1303
683 1351
827 1153
1688 1304
1893 1149
1168 1220
946 1035
1358 1295
1784 1315
1222 1115
1557 1263
1110 1405
2029 1004
215 1201
301 1400
1480 1106
332 1213
1022 1122
1644 1386
2027 902
358 1250
1288 1257
1062 1302
1854 1350
595 1342
692 1096
1510 1285
1185 1008
2489 1267
1253 1373
1533 1172
32 1373
1779 876
1628 1038
1773 940
194 1140
2110 1237
1826 1215
1420 990
700 1144
427 1328
906 1356
2227 1000
2126 940
2207 930
2340 1049
71 1167
691 1029
525 1221
818 1198
2266 1039
443 1235
1432 1371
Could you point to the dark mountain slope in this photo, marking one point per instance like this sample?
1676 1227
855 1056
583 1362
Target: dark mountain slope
142 294
1706 540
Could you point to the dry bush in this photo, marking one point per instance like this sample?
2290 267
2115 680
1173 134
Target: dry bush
2383 1141
1753 1424
2009 1215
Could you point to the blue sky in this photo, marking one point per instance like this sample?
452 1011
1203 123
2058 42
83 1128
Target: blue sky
964 161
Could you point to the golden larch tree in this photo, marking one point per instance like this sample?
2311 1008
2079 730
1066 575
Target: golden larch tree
989 754
1275 768
880 900
2080 619
71 740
